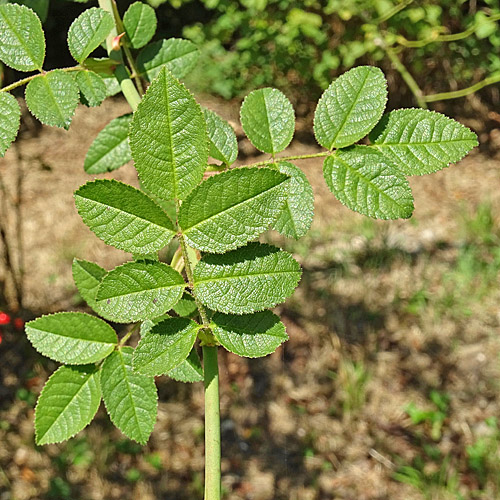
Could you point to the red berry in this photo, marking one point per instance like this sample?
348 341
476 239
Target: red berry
1 338
18 323
4 318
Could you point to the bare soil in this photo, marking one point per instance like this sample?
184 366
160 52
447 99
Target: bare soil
298 425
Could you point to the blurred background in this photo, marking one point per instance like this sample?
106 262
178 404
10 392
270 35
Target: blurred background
389 385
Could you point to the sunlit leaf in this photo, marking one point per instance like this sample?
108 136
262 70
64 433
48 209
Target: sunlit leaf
231 208
245 280
73 338
350 107
130 397
67 403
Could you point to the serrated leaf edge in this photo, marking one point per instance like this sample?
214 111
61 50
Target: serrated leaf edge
96 374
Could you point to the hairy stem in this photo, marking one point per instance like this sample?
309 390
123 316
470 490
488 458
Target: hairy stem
288 158
28 79
212 424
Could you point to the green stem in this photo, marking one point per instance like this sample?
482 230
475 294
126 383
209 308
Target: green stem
129 334
212 424
494 78
288 158
446 38
121 73
392 12
28 79
405 74
130 60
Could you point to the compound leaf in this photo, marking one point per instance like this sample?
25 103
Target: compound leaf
419 141
53 98
67 403
296 216
140 24
73 338
251 335
168 139
88 31
350 107
246 280
130 397
110 149
123 216
268 120
231 208
222 142
10 116
22 42
364 180
165 346
179 56
139 290
92 87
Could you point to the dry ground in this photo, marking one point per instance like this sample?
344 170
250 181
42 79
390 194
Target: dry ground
386 313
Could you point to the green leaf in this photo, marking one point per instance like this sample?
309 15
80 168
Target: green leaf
88 31
130 398
268 120
296 216
177 55
249 279
350 107
251 335
140 24
87 276
190 370
364 180
22 42
39 7
168 139
419 141
139 290
165 346
53 98
110 149
10 116
67 403
231 208
222 142
73 338
92 87
186 306
123 216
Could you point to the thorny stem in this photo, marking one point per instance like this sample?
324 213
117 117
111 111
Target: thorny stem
130 60
212 424
127 86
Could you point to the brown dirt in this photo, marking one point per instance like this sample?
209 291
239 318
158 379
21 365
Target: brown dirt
288 430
